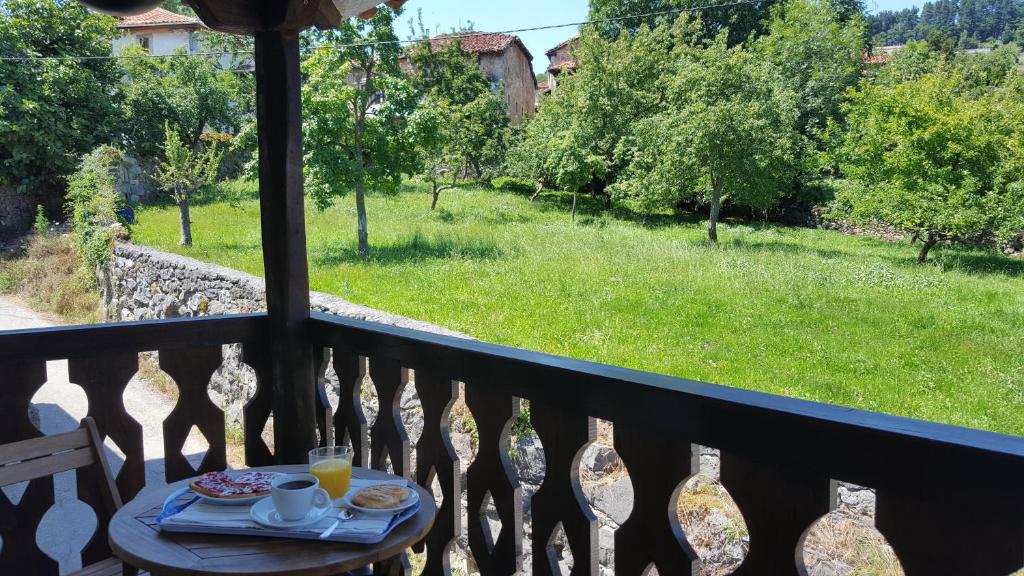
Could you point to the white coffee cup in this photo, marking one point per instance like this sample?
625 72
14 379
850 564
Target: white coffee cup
294 495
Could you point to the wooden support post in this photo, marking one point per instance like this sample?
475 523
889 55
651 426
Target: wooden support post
279 110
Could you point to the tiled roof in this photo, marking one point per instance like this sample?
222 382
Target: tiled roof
561 45
482 43
157 17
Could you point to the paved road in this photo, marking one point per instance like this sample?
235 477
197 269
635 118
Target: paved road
66 528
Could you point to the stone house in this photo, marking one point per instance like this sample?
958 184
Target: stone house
504 59
561 60
161 32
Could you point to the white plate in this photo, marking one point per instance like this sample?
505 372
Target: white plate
263 513
346 501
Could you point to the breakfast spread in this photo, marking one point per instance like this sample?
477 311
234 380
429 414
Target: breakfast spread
240 485
380 497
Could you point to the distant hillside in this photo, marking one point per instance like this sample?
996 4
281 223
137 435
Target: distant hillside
970 22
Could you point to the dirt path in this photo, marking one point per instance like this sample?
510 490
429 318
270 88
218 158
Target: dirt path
66 528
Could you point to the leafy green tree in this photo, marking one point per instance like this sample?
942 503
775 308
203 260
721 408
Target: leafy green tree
914 60
93 204
740 20
818 52
571 143
729 132
357 103
182 173
53 111
451 80
926 157
191 94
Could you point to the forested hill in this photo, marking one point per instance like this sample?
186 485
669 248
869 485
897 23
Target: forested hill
971 22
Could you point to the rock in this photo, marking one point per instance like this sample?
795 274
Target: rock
710 462
856 500
528 458
614 499
606 547
599 459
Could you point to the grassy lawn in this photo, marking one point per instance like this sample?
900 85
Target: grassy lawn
808 313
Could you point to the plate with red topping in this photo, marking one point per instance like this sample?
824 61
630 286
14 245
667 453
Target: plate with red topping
233 488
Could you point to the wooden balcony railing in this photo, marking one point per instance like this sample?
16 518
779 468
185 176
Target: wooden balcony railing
949 500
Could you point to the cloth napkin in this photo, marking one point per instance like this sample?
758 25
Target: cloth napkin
213 515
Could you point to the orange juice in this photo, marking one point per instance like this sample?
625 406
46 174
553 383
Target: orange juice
335 475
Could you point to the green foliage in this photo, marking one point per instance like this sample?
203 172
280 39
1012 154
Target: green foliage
970 21
926 156
728 132
914 60
93 203
741 21
53 111
511 184
42 225
357 103
191 94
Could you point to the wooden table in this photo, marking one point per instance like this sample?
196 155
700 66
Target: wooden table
136 540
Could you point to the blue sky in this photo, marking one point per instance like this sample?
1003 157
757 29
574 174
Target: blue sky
499 15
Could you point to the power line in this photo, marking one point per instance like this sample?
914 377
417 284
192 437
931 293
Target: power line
459 36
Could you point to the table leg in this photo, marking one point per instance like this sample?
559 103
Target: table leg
397 566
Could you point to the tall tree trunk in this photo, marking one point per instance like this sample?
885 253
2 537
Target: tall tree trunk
574 194
435 193
184 222
364 235
929 243
716 209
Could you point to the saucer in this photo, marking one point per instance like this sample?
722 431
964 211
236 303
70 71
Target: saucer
263 513
346 502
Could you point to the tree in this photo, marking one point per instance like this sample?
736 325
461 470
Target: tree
740 20
357 106
191 94
476 119
571 143
53 111
182 173
925 156
819 53
728 133
441 161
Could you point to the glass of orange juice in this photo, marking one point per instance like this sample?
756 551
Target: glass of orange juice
332 465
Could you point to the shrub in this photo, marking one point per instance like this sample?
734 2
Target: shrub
93 204
513 184
42 225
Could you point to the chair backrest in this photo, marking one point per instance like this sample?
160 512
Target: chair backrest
36 460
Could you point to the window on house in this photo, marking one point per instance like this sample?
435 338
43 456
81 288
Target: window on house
145 40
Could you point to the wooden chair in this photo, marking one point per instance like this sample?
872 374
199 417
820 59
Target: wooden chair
45 456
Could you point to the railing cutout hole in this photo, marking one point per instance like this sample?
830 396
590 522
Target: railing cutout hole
559 553
59 404
195 448
68 525
490 521
846 541
713 525
411 413
15 492
368 398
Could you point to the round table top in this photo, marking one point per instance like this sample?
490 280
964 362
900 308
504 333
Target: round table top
135 539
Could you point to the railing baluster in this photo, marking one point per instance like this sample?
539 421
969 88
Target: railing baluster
436 456
104 379
388 439
492 472
350 421
560 498
658 465
257 410
191 370
19 382
778 505
955 529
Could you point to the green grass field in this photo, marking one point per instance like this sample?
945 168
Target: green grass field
808 313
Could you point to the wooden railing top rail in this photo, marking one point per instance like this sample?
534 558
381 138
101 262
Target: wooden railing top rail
867 448
62 342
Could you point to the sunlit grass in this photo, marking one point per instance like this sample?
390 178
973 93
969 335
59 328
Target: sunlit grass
808 313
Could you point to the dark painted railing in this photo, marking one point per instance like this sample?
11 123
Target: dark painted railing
949 500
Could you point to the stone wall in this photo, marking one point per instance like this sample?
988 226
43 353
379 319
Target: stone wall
17 211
